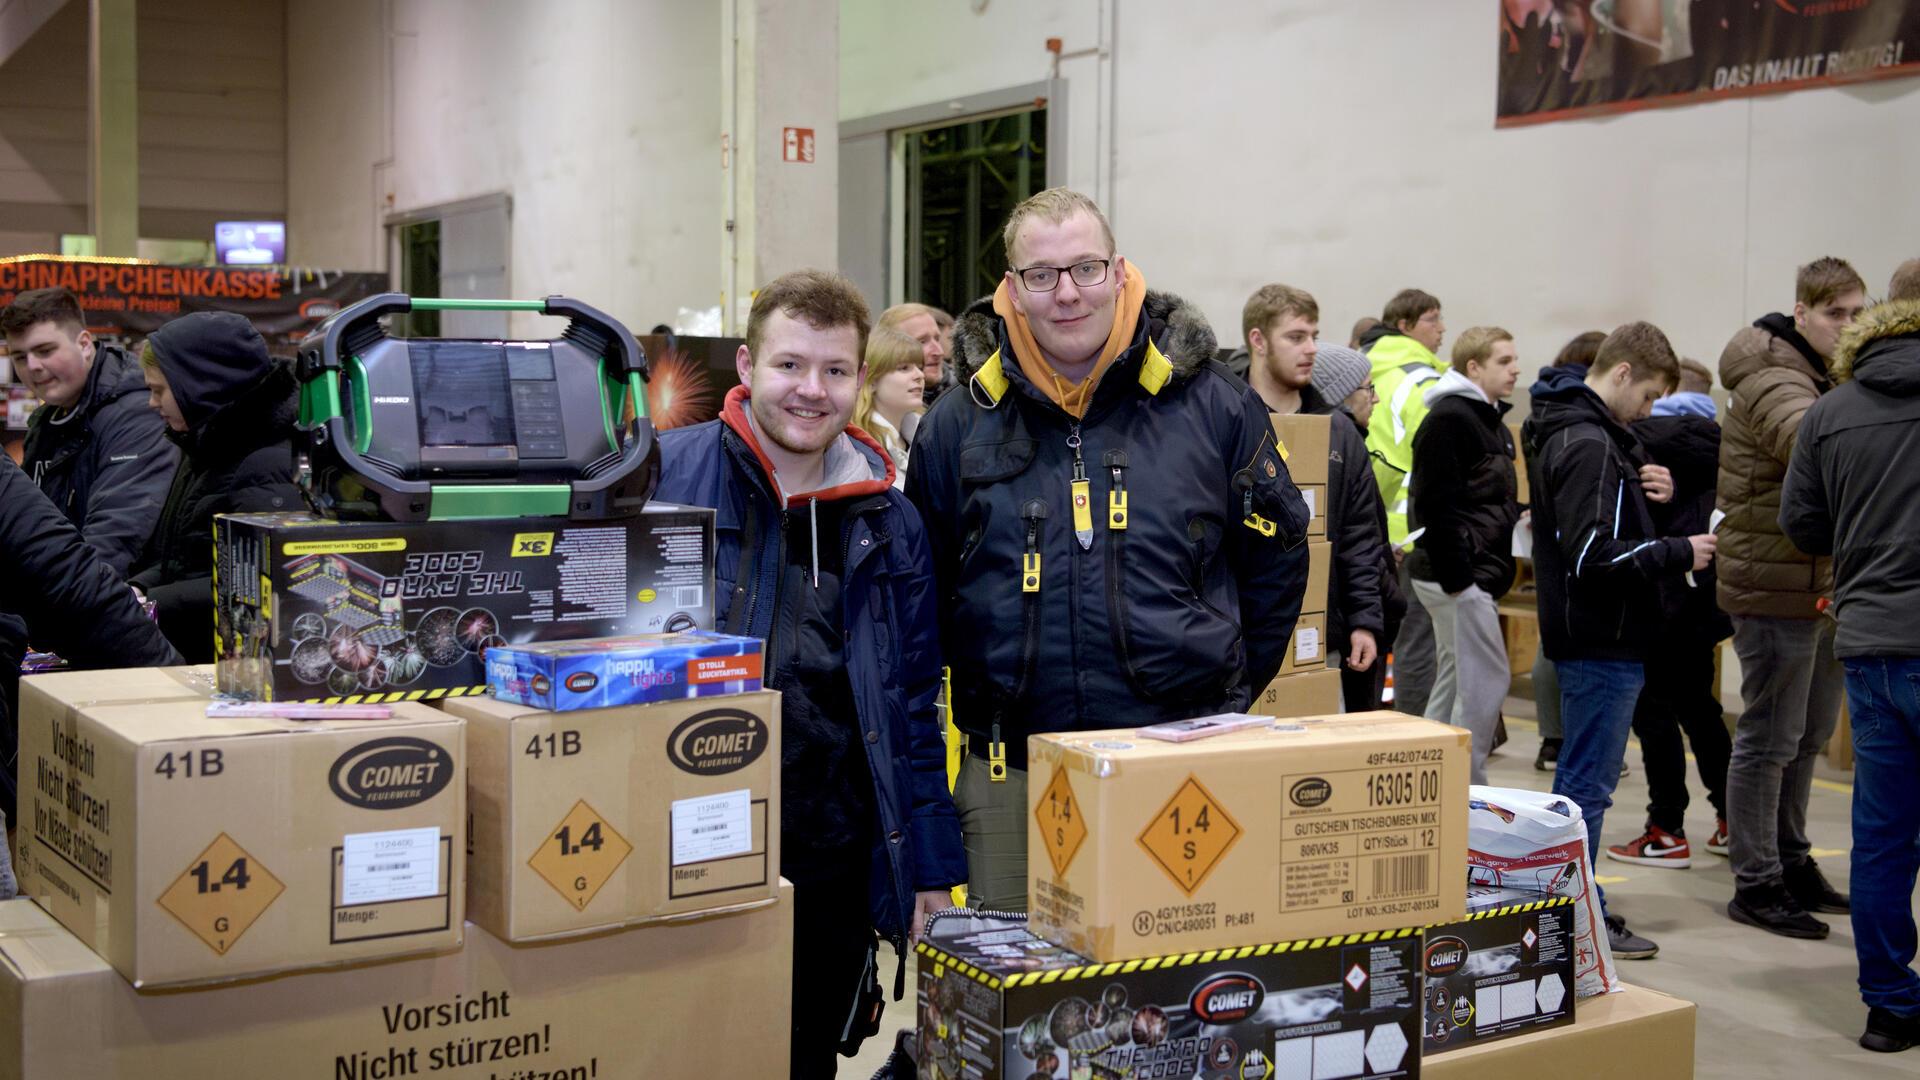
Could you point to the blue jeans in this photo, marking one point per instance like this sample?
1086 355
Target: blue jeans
1884 693
1596 712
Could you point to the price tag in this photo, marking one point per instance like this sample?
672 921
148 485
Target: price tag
398 865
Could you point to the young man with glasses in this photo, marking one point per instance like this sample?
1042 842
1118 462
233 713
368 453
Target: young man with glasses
1116 541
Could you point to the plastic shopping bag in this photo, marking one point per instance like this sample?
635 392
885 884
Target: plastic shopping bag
1532 840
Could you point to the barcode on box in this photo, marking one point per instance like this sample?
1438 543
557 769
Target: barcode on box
686 596
1402 875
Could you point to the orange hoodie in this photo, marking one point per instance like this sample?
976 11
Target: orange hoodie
1070 396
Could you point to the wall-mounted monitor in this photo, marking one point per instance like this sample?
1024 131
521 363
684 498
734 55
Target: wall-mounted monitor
250 243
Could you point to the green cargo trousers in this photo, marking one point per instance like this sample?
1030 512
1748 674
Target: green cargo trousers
993 825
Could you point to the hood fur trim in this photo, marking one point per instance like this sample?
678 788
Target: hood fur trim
1188 342
1891 319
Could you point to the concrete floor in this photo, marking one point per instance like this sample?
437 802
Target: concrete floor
1770 1007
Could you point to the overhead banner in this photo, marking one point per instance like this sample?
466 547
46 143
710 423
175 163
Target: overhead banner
1561 59
132 299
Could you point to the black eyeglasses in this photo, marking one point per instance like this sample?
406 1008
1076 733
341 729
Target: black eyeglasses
1047 278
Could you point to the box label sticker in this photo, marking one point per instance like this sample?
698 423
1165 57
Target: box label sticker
580 855
399 864
1062 827
719 669
1306 645
712 827
1359 837
1312 498
221 893
1190 835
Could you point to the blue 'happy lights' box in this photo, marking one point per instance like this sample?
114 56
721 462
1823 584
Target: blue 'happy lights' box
633 670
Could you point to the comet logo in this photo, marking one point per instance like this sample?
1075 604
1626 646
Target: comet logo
1445 955
1313 791
582 681
1227 999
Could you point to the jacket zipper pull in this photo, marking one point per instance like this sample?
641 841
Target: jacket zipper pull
1117 496
1244 481
996 757
1082 493
1033 513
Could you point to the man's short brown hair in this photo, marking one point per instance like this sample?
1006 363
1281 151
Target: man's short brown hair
1407 306
1644 348
1360 328
1825 279
1906 282
1271 303
1695 377
1581 350
1476 345
821 299
1055 205
36 306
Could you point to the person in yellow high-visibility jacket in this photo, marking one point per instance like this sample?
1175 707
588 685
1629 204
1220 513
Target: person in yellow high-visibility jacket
1404 352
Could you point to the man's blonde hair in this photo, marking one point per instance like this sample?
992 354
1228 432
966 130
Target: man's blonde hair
1695 378
895 317
1053 205
1271 303
1476 345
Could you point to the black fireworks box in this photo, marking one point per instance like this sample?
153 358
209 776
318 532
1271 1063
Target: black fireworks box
1504 970
998 1003
312 609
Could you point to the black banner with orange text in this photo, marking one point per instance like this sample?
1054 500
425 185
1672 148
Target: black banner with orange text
1562 59
130 299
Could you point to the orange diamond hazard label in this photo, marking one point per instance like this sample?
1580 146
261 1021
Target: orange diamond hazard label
1190 835
223 891
580 855
1062 829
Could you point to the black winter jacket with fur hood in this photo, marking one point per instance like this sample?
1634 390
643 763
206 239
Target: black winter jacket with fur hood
1185 611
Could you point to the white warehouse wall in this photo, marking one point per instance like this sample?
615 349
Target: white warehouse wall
1349 148
600 118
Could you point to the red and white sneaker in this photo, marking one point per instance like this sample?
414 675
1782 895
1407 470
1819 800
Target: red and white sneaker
1656 847
1717 843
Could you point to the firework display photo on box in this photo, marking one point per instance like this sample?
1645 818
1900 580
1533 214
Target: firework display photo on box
309 609
998 1003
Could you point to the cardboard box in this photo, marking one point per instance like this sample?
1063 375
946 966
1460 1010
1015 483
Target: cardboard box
1307 651
308 609
602 818
710 998
1504 970
606 672
1305 444
1138 847
1319 576
998 1003
186 849
1637 1034
1307 693
1316 499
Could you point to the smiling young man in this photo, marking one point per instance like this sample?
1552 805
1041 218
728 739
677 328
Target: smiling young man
819 556
1598 559
93 446
1790 682
1279 325
1464 498
1115 538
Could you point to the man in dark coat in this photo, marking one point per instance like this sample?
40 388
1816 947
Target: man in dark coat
818 554
93 446
1852 491
1115 537
71 602
233 411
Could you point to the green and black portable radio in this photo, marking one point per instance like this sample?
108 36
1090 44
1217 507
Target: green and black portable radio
419 429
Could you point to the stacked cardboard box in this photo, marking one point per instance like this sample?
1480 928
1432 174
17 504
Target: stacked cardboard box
1305 685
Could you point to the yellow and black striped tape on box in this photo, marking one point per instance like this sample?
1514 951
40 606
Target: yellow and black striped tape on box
1515 909
397 696
1153 963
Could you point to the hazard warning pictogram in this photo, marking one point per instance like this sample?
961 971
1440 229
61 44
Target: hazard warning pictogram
221 893
1062 827
580 855
1190 835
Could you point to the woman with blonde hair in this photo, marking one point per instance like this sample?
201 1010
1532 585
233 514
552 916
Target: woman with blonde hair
890 393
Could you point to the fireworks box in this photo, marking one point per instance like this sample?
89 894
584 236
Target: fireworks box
1302 694
601 818
1284 831
310 609
998 1003
567 675
704 999
1504 970
188 849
